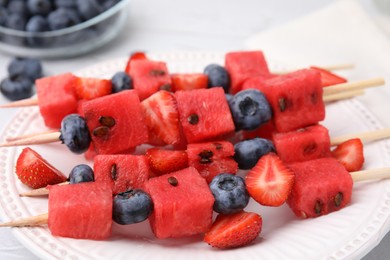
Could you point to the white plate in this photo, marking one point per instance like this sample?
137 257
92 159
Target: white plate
348 233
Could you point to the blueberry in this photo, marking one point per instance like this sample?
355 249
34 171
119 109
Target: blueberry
3 3
88 8
63 18
132 206
65 3
42 7
3 16
218 76
27 67
37 23
121 81
81 173
75 134
229 192
250 109
16 88
15 21
18 7
248 152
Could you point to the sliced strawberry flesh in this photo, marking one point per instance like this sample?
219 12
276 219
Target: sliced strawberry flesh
162 117
350 154
270 181
234 230
328 78
188 81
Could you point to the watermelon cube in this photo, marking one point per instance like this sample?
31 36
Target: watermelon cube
121 172
244 65
204 114
212 158
183 204
149 77
321 186
81 211
295 98
303 144
116 122
56 98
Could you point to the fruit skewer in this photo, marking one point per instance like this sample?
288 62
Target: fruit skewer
366 175
349 89
365 137
337 88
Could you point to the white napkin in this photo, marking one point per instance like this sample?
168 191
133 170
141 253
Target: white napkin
343 32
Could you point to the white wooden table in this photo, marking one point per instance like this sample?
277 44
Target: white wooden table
171 25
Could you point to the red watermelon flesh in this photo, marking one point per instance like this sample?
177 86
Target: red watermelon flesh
183 209
82 211
56 98
149 77
321 186
189 81
303 144
243 65
204 114
296 99
212 158
121 172
116 122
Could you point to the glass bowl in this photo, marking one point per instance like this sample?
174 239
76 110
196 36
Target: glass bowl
68 42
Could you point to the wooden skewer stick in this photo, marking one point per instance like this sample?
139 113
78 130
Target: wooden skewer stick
39 192
356 85
329 67
21 103
338 66
28 221
365 136
15 138
374 174
44 138
342 95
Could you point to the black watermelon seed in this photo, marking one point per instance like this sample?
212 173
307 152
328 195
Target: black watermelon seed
101 131
173 181
107 121
282 104
193 119
338 199
166 87
157 73
206 156
318 207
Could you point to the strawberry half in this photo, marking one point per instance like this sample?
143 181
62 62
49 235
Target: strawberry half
166 161
234 230
188 81
350 154
139 55
162 117
328 78
91 88
35 172
270 181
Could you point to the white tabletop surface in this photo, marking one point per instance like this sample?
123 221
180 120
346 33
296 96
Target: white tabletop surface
172 25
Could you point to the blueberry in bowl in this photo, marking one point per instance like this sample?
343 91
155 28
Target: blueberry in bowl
59 28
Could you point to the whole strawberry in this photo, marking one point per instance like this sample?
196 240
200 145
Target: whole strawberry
234 230
35 172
